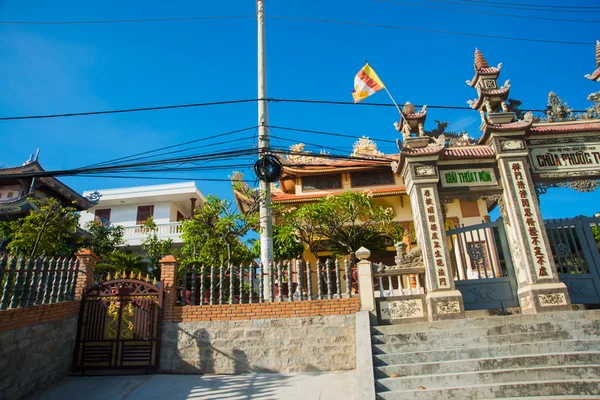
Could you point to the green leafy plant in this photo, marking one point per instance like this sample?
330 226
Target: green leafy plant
154 247
123 261
104 238
49 230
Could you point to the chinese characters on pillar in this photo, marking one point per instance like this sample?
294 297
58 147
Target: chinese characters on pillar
435 230
531 221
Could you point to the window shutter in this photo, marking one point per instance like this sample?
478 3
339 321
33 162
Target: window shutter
143 213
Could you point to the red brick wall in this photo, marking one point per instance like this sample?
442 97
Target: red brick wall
20 317
226 312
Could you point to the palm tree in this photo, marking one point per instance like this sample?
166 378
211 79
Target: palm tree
123 261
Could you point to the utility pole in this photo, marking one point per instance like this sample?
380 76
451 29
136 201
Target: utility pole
266 223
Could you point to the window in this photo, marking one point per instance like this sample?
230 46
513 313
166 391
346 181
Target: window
102 216
180 216
372 177
469 209
321 182
143 213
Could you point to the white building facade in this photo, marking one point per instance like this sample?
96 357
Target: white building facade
130 207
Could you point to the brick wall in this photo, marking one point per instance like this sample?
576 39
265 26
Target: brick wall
21 317
227 312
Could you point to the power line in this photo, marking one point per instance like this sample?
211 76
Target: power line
487 12
328 102
130 158
504 6
329 133
159 177
128 110
528 5
406 28
126 21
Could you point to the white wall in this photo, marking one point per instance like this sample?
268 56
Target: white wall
126 214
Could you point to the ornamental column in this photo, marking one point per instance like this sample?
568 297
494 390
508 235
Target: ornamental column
539 287
419 169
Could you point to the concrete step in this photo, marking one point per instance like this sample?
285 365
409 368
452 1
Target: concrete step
505 350
579 327
513 375
490 322
392 345
486 364
535 389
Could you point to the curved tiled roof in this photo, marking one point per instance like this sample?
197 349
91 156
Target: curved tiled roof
468 152
579 126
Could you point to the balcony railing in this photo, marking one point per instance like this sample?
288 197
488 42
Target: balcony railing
170 230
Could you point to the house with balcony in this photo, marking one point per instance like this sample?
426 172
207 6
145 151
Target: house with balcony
130 207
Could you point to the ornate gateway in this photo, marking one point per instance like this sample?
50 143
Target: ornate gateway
119 327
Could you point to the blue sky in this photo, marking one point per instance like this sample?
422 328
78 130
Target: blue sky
74 68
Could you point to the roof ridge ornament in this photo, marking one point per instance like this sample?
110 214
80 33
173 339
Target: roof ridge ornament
480 61
595 76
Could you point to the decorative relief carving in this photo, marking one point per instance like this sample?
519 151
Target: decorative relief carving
365 147
526 302
580 185
400 309
448 307
552 299
425 170
512 145
565 140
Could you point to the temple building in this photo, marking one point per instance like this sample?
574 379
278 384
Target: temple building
18 189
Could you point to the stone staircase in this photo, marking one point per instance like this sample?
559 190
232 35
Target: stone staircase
554 355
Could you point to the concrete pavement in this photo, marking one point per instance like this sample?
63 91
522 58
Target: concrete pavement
301 386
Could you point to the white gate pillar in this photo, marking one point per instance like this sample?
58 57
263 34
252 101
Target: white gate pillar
421 178
539 287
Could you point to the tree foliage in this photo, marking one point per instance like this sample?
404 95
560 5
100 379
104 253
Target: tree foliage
346 222
558 110
514 105
214 234
105 238
49 231
154 247
123 261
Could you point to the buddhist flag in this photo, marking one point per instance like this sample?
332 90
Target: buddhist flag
366 83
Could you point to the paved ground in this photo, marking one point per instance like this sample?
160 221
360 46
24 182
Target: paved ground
306 386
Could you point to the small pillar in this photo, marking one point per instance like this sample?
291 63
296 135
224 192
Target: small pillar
365 280
443 300
168 275
85 276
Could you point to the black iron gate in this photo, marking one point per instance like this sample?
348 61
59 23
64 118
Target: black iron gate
482 266
119 327
574 243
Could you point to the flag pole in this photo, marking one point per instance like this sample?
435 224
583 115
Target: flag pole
393 101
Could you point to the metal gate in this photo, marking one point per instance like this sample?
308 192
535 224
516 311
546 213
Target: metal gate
574 243
119 327
482 266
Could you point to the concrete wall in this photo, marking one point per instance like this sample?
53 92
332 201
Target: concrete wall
36 347
317 343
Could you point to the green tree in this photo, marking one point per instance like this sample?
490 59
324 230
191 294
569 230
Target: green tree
154 247
48 231
123 261
105 238
286 243
346 222
214 234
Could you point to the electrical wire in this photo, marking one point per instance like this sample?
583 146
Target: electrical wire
512 6
159 177
527 5
487 12
407 28
128 110
329 133
275 100
126 21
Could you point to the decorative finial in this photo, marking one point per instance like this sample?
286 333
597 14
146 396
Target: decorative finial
598 53
480 61
409 108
